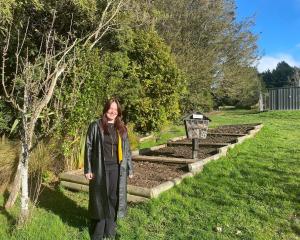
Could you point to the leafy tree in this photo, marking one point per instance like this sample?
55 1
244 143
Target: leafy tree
209 45
243 92
282 74
279 77
267 78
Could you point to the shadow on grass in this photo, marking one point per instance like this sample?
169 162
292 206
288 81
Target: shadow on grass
55 201
12 221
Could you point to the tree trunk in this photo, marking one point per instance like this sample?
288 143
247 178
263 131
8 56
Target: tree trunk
26 138
26 145
24 182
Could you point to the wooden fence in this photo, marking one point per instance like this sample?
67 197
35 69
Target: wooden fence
287 98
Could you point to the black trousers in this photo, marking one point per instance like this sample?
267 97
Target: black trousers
100 228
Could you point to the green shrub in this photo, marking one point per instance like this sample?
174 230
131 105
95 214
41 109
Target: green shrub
133 138
151 83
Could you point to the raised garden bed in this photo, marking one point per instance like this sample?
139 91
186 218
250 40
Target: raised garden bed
234 129
160 168
151 174
210 140
182 151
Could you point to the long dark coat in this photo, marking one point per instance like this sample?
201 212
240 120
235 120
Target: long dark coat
94 163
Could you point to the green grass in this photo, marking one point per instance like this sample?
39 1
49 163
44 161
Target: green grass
163 136
61 214
252 193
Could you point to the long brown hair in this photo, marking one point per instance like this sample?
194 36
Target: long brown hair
119 124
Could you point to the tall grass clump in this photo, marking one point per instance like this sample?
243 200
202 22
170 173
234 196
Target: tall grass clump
9 153
40 165
40 170
74 152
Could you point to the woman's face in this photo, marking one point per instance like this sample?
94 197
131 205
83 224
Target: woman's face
112 112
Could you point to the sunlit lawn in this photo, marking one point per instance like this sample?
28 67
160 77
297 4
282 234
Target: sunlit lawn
252 193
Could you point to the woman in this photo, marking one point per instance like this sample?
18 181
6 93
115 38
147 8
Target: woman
106 165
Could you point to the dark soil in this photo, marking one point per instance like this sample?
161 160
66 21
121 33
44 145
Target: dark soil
182 152
148 174
213 139
239 129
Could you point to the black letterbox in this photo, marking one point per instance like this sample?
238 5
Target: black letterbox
196 125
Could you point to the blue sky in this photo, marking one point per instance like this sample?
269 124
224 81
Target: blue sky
278 26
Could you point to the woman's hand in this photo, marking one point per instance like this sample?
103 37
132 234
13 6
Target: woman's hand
130 176
89 176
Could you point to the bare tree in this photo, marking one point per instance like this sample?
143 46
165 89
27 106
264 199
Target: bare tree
31 87
37 79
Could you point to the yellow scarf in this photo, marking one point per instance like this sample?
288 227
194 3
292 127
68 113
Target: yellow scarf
120 152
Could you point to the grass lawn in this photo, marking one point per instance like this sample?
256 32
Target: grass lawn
163 136
252 193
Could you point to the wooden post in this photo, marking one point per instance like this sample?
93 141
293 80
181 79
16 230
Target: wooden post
162 159
261 102
195 147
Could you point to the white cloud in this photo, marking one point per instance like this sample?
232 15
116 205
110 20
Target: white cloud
270 62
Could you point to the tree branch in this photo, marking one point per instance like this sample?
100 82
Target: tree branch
104 23
7 96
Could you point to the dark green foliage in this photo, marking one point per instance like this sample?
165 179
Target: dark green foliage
6 117
154 81
85 103
281 76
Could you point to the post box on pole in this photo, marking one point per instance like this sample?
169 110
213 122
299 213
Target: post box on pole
196 126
